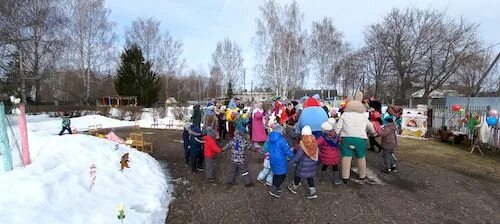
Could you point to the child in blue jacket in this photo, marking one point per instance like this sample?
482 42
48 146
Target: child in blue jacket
279 150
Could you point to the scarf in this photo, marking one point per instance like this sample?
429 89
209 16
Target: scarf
310 146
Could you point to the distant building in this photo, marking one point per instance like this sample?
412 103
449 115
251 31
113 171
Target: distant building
324 94
436 93
255 96
170 101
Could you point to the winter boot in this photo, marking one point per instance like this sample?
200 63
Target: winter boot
336 178
312 193
394 169
274 192
293 188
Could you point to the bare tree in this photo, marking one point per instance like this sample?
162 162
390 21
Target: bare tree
216 82
30 32
405 36
162 50
451 44
325 51
474 74
145 32
228 59
90 39
351 73
280 47
423 46
376 65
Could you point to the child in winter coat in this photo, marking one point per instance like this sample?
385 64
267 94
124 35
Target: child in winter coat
279 150
185 139
195 149
375 120
66 124
211 151
266 175
238 146
328 144
290 134
389 143
306 160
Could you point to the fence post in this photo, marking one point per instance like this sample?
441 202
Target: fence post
4 140
24 135
411 103
392 101
429 102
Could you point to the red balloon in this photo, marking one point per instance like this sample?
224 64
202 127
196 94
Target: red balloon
456 107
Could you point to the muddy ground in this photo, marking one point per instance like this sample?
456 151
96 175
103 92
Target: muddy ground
436 183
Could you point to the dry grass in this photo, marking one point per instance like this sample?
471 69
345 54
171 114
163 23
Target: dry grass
456 157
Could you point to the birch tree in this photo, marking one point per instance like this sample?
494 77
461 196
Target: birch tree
161 49
228 59
90 39
280 47
325 51
30 32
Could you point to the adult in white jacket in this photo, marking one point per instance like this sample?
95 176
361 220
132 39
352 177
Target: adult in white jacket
353 126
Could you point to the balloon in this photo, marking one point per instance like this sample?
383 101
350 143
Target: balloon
493 113
462 111
455 107
491 121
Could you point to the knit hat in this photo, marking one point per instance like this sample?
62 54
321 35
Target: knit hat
311 102
326 126
332 121
277 128
195 129
306 130
389 119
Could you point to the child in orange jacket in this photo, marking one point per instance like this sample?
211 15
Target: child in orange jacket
211 152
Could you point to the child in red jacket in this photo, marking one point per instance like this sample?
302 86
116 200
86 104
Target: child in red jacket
329 155
211 152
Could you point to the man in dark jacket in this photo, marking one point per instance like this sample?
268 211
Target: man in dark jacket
196 118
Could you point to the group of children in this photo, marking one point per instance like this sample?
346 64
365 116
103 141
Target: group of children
305 151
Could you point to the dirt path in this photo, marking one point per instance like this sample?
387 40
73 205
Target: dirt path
437 183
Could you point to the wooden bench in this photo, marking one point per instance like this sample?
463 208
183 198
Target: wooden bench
137 141
95 129
449 136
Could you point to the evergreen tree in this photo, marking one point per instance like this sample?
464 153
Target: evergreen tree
229 92
135 77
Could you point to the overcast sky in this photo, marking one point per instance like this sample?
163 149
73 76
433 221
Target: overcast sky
201 23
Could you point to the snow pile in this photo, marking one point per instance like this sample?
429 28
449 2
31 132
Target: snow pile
55 188
53 126
115 112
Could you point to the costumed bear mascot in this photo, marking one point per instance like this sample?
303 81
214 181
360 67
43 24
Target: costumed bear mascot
313 116
352 127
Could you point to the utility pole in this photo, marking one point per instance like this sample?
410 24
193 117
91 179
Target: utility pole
251 90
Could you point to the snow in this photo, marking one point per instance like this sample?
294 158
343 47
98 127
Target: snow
55 188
